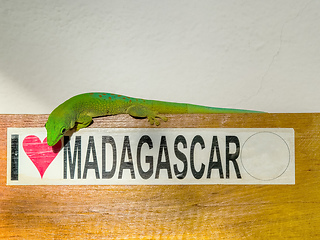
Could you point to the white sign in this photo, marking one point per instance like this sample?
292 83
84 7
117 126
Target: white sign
149 156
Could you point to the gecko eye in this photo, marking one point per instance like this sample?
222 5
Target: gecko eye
63 130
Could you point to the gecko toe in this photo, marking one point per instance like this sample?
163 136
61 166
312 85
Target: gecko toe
151 120
157 122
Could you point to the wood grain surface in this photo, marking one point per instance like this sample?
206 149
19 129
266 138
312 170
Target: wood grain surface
170 212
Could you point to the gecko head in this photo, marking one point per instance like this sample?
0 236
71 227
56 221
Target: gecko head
55 127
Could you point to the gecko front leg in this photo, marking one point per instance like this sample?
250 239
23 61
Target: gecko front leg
83 121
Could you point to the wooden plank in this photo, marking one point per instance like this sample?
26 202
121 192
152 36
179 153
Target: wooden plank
171 212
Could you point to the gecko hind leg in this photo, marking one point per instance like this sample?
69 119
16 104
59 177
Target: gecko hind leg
144 112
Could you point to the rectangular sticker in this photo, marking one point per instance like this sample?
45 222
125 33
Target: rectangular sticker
149 156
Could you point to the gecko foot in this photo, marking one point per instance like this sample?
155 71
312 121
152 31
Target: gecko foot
154 120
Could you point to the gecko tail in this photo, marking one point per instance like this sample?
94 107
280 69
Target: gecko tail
203 109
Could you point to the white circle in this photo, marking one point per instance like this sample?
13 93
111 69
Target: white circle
265 156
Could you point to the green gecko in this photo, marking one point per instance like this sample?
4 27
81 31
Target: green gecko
78 111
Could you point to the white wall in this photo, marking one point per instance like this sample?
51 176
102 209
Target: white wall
262 55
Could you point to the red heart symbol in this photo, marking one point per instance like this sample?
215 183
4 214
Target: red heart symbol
40 153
